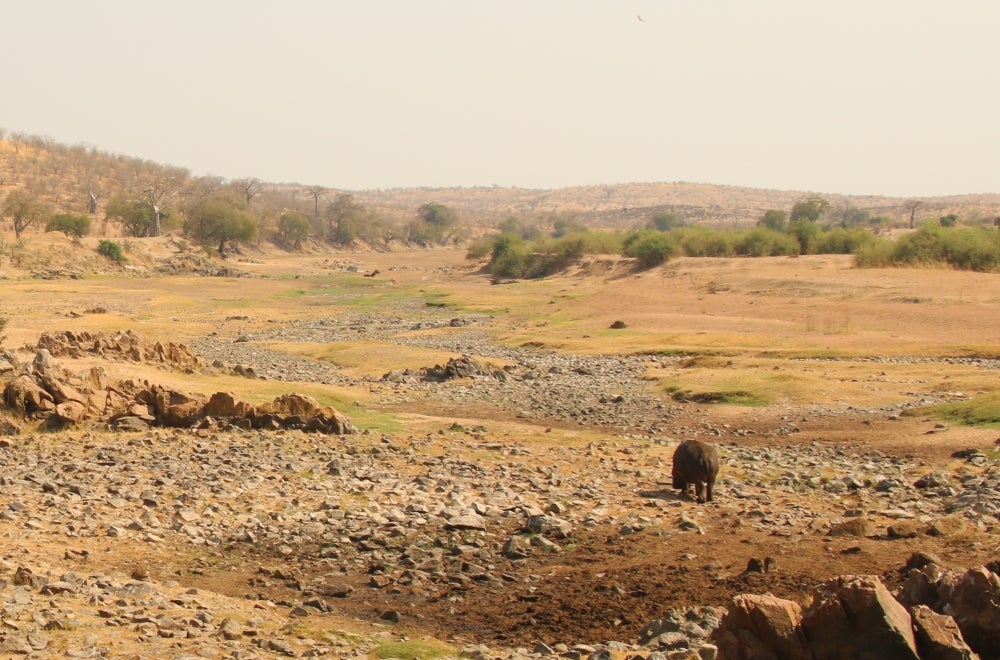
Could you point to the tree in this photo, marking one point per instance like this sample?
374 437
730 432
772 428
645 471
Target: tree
316 192
136 215
806 232
564 226
344 218
774 219
220 219
809 209
911 206
250 188
432 224
664 221
24 210
293 227
166 184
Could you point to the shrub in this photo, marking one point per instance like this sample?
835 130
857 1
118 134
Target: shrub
654 249
842 241
511 256
877 253
762 242
111 250
973 248
705 242
480 248
70 224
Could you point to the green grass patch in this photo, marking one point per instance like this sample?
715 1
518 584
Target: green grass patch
414 650
983 410
731 397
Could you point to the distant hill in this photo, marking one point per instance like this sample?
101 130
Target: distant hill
67 176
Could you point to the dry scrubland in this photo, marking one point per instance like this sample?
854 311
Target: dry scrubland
805 371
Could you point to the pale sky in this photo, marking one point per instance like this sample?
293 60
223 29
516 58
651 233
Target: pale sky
895 97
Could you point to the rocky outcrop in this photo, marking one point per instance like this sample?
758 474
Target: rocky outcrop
936 614
127 345
163 406
463 367
43 391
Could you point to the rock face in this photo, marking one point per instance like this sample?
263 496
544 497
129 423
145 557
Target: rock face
937 614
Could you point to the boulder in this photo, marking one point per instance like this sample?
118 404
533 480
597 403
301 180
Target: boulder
857 617
973 600
761 626
939 637
292 404
26 396
70 412
227 405
547 525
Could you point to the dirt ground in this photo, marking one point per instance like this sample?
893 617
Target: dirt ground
609 585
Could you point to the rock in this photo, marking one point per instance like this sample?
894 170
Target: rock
947 526
547 525
761 626
858 617
227 404
466 521
939 637
932 480
973 600
853 527
906 529
27 397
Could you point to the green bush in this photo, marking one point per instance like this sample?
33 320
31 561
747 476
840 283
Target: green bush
480 248
71 224
762 242
972 248
111 250
705 242
877 253
653 249
842 241
511 256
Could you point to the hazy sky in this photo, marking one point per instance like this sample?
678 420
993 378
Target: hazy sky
898 97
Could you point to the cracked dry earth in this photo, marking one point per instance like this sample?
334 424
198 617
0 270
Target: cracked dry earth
515 517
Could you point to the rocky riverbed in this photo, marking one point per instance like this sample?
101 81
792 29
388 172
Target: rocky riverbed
207 543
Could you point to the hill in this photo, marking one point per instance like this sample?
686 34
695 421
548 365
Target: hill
81 178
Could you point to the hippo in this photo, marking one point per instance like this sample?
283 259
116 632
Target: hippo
696 462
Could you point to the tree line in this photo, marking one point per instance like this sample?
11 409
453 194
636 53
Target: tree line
811 226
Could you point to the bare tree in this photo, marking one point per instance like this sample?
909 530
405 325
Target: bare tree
911 206
316 192
166 184
92 204
250 188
